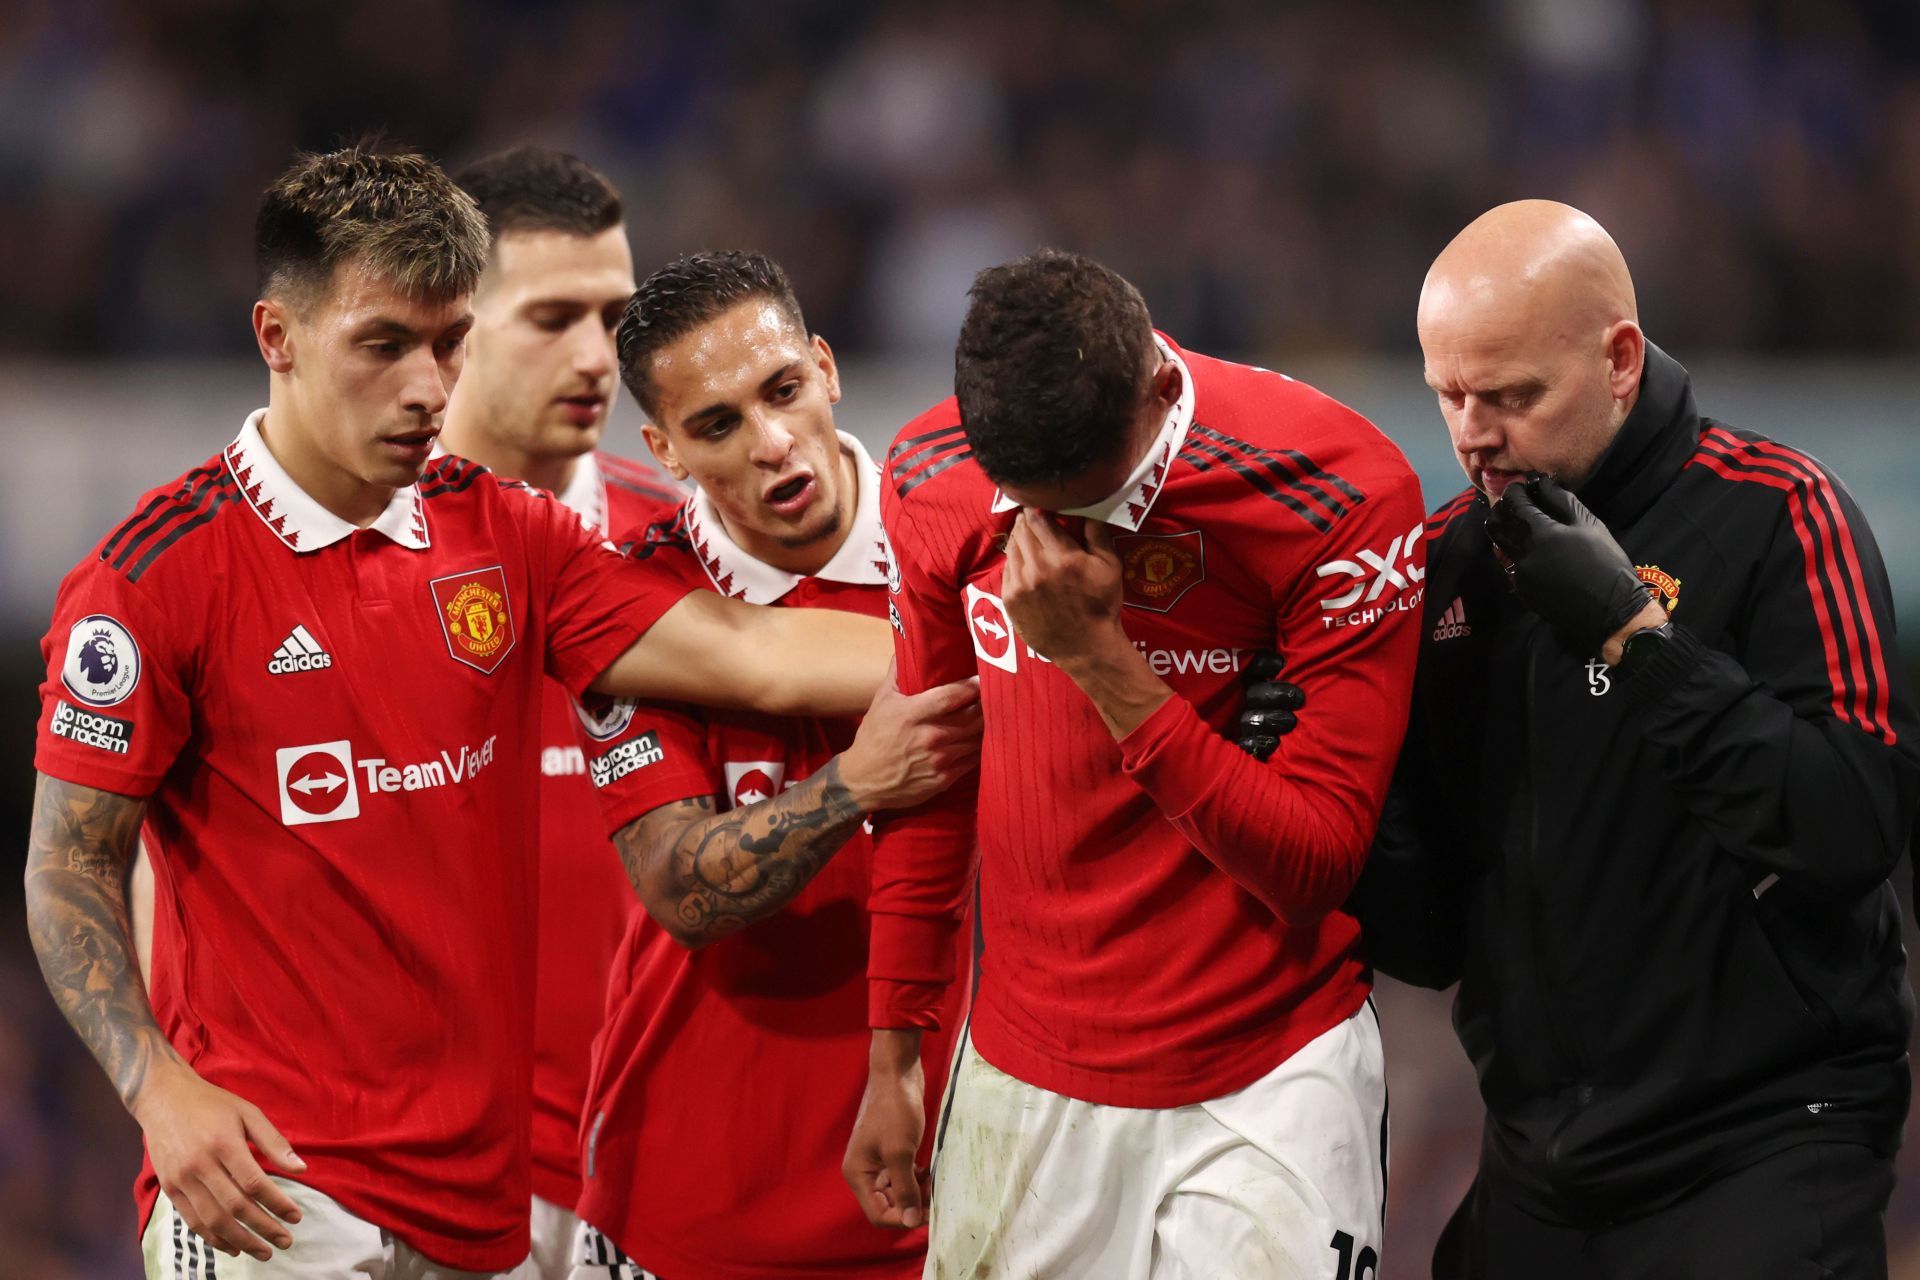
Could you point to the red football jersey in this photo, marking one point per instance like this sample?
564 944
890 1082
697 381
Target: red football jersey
584 894
1161 916
727 1079
336 731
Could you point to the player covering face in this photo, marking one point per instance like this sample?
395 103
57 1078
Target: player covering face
336 781
1103 527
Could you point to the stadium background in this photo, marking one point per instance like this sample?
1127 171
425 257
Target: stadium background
1274 176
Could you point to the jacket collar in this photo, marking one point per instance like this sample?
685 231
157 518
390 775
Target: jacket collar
861 560
1127 506
294 517
1654 443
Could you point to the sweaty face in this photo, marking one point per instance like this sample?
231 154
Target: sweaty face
1517 397
372 369
745 407
541 364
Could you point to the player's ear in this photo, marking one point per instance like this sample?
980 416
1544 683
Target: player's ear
663 450
823 358
272 331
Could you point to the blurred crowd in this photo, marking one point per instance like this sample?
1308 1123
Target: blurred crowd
1275 175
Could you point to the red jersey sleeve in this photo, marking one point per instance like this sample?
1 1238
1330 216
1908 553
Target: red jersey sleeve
115 709
922 858
1294 831
641 755
599 601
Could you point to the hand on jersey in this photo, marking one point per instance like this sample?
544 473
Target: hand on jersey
197 1136
1566 566
1271 709
911 747
1064 597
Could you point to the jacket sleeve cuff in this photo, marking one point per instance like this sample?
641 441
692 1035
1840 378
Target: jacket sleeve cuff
1679 658
1167 756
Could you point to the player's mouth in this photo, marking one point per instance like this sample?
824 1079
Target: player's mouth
791 497
583 410
412 447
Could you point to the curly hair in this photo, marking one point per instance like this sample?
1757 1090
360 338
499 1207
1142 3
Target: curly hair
1052 365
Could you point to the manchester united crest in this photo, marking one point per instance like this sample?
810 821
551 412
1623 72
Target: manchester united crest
475 616
1158 568
1666 587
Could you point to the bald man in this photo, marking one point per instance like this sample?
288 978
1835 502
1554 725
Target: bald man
1660 766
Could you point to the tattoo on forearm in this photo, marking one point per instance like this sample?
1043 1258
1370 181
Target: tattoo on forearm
77 858
721 872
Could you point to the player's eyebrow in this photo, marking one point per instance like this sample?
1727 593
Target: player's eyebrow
719 407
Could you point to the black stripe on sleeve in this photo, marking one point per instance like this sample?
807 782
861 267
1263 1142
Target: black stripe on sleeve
180 531
1197 452
1305 482
907 486
896 456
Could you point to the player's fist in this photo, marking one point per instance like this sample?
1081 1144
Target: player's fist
198 1137
911 747
1063 597
879 1166
1271 709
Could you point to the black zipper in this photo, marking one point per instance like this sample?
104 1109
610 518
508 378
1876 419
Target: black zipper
1562 1040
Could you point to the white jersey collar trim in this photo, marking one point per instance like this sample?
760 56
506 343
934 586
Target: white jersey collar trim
861 560
1127 506
292 514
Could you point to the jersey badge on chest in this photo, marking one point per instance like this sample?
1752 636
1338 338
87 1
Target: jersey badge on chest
1158 568
475 616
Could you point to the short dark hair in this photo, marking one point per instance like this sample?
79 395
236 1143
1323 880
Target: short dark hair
539 189
687 293
395 210
1051 366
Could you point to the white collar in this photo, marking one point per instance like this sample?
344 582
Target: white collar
861 560
295 518
1127 506
586 492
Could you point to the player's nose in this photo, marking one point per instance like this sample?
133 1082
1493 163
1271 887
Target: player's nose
772 442
594 353
429 384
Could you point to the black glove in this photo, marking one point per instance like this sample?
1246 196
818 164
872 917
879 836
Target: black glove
1271 703
1566 566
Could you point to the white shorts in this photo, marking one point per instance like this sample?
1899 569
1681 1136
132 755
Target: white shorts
553 1232
597 1257
1284 1178
328 1244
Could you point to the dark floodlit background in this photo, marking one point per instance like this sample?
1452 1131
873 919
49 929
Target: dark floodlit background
1274 176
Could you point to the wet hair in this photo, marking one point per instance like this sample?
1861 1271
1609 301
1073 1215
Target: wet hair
395 211
538 189
1052 366
687 293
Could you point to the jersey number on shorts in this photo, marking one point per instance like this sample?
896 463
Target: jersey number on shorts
1364 1266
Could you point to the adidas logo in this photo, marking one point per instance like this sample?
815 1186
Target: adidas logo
299 652
1453 623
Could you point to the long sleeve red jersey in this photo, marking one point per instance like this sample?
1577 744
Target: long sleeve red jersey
1161 916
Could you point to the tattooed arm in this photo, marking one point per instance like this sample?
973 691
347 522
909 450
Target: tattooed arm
76 888
78 857
704 875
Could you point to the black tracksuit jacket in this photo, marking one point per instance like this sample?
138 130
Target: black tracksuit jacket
1664 896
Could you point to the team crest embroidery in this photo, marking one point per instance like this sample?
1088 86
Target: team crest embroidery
1666 587
1158 568
475 616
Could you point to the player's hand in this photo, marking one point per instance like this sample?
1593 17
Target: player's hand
197 1135
1269 713
892 1190
1566 566
1064 598
911 747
